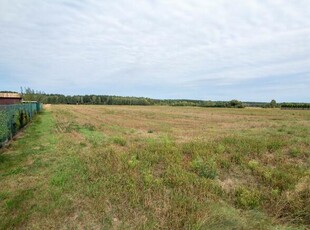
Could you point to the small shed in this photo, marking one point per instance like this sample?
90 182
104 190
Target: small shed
10 98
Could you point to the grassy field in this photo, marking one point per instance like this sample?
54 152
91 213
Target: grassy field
121 167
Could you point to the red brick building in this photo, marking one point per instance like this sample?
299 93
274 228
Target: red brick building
10 98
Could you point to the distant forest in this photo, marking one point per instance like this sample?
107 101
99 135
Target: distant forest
32 95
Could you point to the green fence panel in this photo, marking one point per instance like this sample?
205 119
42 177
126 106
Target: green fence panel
14 117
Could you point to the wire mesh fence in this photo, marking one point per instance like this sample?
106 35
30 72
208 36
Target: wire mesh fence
14 117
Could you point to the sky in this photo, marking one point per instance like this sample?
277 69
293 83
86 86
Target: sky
250 50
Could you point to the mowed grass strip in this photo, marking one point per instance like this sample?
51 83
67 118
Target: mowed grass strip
133 167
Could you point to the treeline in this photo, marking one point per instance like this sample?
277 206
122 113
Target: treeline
295 106
118 100
31 95
8 92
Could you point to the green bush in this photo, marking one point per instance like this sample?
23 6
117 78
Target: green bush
247 198
204 169
294 152
253 164
119 141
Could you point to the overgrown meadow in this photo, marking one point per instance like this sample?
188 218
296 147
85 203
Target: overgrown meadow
158 167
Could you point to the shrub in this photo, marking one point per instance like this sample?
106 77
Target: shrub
119 141
253 164
294 152
224 163
90 127
204 169
220 149
133 162
248 198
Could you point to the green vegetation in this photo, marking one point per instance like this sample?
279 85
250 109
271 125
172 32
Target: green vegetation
8 92
99 167
31 95
295 106
15 117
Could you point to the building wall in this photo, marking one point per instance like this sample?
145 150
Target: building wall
8 101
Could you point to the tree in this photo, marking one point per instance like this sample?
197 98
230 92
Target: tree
273 104
235 104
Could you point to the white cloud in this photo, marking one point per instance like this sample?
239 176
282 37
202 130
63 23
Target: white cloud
178 45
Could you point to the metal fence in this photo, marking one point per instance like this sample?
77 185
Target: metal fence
14 117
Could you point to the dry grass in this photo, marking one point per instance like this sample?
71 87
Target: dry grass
157 167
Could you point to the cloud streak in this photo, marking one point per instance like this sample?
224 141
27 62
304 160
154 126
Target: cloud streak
162 49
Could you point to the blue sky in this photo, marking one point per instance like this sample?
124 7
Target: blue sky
254 50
